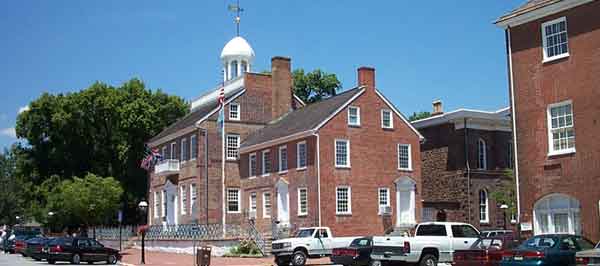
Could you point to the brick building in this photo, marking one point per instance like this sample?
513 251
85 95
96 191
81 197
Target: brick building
465 158
189 185
553 53
350 162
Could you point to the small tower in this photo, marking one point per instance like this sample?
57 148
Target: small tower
237 57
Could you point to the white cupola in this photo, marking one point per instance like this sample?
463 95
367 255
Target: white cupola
237 57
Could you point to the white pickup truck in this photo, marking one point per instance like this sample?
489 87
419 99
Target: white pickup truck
433 242
310 242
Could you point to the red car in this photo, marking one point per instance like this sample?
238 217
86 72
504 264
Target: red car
484 252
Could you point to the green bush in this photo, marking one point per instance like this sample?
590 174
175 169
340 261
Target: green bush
245 247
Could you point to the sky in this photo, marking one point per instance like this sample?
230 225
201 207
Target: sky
422 50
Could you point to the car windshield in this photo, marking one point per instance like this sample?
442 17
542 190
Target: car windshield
539 242
305 233
360 242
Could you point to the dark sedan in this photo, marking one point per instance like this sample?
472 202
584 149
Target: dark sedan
484 252
547 250
357 254
80 249
34 246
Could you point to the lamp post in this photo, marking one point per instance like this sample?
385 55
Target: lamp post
143 206
504 207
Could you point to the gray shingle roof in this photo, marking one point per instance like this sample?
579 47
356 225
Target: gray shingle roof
300 120
528 6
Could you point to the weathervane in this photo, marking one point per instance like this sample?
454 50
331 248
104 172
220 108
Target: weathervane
237 9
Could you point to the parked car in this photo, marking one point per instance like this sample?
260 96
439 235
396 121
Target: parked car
34 248
590 257
357 254
20 244
494 233
484 252
80 249
433 242
310 242
547 250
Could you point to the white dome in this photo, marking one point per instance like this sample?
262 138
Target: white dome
238 47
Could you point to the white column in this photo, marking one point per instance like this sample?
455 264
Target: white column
239 68
228 70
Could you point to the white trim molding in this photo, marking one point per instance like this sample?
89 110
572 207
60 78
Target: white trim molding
545 56
391 125
357 122
335 153
538 12
391 106
551 151
349 200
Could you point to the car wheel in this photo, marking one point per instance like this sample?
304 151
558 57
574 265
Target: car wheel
112 259
282 261
299 258
428 260
375 263
76 259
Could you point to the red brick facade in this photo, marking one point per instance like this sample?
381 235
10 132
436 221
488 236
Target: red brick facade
538 84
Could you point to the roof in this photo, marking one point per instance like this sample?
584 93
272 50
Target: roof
526 7
237 47
534 9
301 120
502 116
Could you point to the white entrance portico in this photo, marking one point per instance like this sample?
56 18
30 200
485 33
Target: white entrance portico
405 201
283 202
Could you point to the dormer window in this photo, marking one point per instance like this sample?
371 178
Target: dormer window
554 39
234 111
244 67
353 116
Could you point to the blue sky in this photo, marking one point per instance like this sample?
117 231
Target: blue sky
422 50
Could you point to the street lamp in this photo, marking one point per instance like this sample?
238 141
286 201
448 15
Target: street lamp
143 206
504 207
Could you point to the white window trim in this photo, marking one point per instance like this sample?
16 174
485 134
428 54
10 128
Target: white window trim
182 208
357 115
551 151
238 111
172 152
347 153
300 213
156 204
192 200
287 156
410 168
544 51
262 169
255 203
391 118
193 158
487 207
298 155
264 205
239 202
388 198
163 199
182 153
484 166
349 212
250 175
227 146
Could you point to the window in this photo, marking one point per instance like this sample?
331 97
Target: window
252 203
464 231
554 39
193 147
383 198
557 213
164 203
301 155
233 200
233 145
483 207
156 204
343 200
252 165
266 205
353 116
193 197
561 133
164 152
183 196
173 147
184 150
431 230
234 69
244 66
481 154
404 157
342 153
302 201
387 120
283 166
234 111
266 162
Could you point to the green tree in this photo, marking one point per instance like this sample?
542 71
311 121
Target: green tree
420 115
101 129
12 190
314 86
506 192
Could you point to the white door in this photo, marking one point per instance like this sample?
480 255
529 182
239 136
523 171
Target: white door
283 203
171 202
405 202
463 236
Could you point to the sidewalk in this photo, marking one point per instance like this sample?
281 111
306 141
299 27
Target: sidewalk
132 257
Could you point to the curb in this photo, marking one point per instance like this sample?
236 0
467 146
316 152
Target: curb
126 264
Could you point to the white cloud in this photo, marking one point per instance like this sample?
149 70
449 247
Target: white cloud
9 132
23 108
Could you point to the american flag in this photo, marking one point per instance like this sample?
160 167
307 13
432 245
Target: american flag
151 158
221 97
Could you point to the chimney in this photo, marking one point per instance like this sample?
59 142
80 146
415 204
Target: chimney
437 107
281 86
366 77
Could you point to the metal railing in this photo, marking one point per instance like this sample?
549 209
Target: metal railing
280 231
112 232
193 232
257 237
168 165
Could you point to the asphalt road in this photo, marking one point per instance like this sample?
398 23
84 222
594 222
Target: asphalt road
18 260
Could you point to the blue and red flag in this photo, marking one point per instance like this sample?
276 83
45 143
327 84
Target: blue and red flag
151 158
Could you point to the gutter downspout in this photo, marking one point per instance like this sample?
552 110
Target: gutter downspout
513 116
318 176
468 169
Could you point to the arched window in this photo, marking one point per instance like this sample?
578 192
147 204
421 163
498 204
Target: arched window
244 66
557 213
234 69
481 154
483 207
